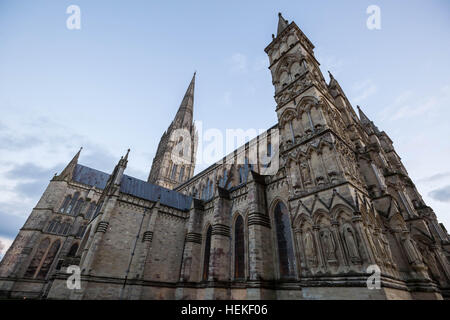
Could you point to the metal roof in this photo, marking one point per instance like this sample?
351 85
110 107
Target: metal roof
135 187
149 191
89 176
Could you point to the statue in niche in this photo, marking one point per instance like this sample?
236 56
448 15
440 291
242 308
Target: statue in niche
352 247
310 250
295 174
387 248
306 173
329 245
414 256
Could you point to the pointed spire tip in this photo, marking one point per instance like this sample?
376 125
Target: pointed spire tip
282 24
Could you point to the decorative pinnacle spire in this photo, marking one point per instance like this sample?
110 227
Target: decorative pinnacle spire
364 119
331 76
126 156
67 173
282 24
124 160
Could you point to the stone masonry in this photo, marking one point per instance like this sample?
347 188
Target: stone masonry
340 204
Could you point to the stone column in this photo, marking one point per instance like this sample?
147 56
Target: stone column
100 230
191 265
260 255
193 244
219 263
145 238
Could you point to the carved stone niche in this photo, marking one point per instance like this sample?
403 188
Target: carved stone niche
329 246
351 244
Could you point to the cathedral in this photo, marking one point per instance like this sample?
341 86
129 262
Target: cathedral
312 208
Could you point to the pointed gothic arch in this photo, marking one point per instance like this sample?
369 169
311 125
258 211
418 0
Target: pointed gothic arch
284 240
38 256
65 204
48 260
73 250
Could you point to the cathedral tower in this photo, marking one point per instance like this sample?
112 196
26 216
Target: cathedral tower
174 162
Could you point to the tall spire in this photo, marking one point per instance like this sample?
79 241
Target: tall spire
67 173
282 24
164 171
185 112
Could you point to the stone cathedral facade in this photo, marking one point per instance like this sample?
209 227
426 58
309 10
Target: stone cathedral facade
339 203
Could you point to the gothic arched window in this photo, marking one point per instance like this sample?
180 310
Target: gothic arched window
284 241
239 249
291 128
56 227
66 228
211 189
241 174
78 207
224 178
47 262
174 172
267 160
181 174
72 203
90 210
50 226
246 169
65 204
207 254
34 265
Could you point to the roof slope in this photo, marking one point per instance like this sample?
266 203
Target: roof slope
134 187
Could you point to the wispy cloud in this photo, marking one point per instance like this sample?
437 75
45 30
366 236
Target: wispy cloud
28 163
435 177
363 90
409 105
441 194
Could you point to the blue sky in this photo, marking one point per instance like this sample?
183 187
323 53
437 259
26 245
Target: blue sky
117 83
